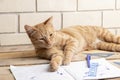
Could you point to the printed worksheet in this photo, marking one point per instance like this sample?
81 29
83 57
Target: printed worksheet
99 69
39 72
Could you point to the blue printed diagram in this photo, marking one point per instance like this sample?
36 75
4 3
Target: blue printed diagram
92 70
97 69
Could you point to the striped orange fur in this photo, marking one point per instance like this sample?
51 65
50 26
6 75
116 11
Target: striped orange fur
60 46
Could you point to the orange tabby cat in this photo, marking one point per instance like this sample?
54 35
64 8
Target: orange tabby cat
60 46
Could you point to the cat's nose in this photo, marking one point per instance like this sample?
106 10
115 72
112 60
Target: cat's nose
48 42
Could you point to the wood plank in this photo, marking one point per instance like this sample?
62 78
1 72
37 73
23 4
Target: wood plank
6 55
16 48
28 51
35 61
6 77
5 74
17 51
4 70
31 53
27 58
22 61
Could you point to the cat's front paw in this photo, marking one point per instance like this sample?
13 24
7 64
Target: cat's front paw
53 66
66 62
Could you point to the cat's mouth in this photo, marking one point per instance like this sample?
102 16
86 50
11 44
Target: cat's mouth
49 46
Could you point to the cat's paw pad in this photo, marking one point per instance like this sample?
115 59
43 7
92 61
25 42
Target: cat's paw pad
53 67
66 62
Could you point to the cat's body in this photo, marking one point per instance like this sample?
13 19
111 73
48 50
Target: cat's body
60 46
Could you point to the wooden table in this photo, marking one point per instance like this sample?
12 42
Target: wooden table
25 55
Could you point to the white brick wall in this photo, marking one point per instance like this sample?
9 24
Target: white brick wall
96 4
111 19
118 31
8 23
82 18
14 39
17 5
14 14
113 31
56 5
35 18
118 4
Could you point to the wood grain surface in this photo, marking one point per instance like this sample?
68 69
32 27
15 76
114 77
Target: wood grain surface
25 55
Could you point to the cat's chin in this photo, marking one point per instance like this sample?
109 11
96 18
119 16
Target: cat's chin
49 46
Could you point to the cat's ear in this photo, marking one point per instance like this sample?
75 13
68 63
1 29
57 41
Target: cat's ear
49 20
30 30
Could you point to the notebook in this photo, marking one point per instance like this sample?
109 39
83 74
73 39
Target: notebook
99 69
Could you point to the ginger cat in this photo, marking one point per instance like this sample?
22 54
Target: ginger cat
60 46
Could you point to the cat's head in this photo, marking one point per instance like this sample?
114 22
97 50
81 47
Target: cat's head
42 35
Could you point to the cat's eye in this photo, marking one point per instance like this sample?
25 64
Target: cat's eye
51 34
41 39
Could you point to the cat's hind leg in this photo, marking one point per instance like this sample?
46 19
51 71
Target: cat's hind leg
107 36
108 46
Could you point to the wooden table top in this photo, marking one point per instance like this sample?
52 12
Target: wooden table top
25 55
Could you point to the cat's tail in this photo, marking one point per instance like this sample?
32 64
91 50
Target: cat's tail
108 46
107 36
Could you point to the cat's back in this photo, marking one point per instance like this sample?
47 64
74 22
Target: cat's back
80 30
88 33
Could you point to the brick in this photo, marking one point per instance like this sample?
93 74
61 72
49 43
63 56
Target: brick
111 19
14 39
113 31
96 4
35 18
118 32
82 18
17 5
8 23
56 5
118 4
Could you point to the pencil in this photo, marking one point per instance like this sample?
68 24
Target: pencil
88 58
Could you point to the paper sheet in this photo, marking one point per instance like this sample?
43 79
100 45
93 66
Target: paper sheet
99 69
39 72
104 70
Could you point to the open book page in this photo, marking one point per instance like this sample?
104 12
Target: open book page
99 69
39 72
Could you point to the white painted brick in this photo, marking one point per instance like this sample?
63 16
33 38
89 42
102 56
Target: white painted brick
118 32
17 5
118 4
95 4
56 5
113 31
8 23
14 39
82 18
111 19
35 18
